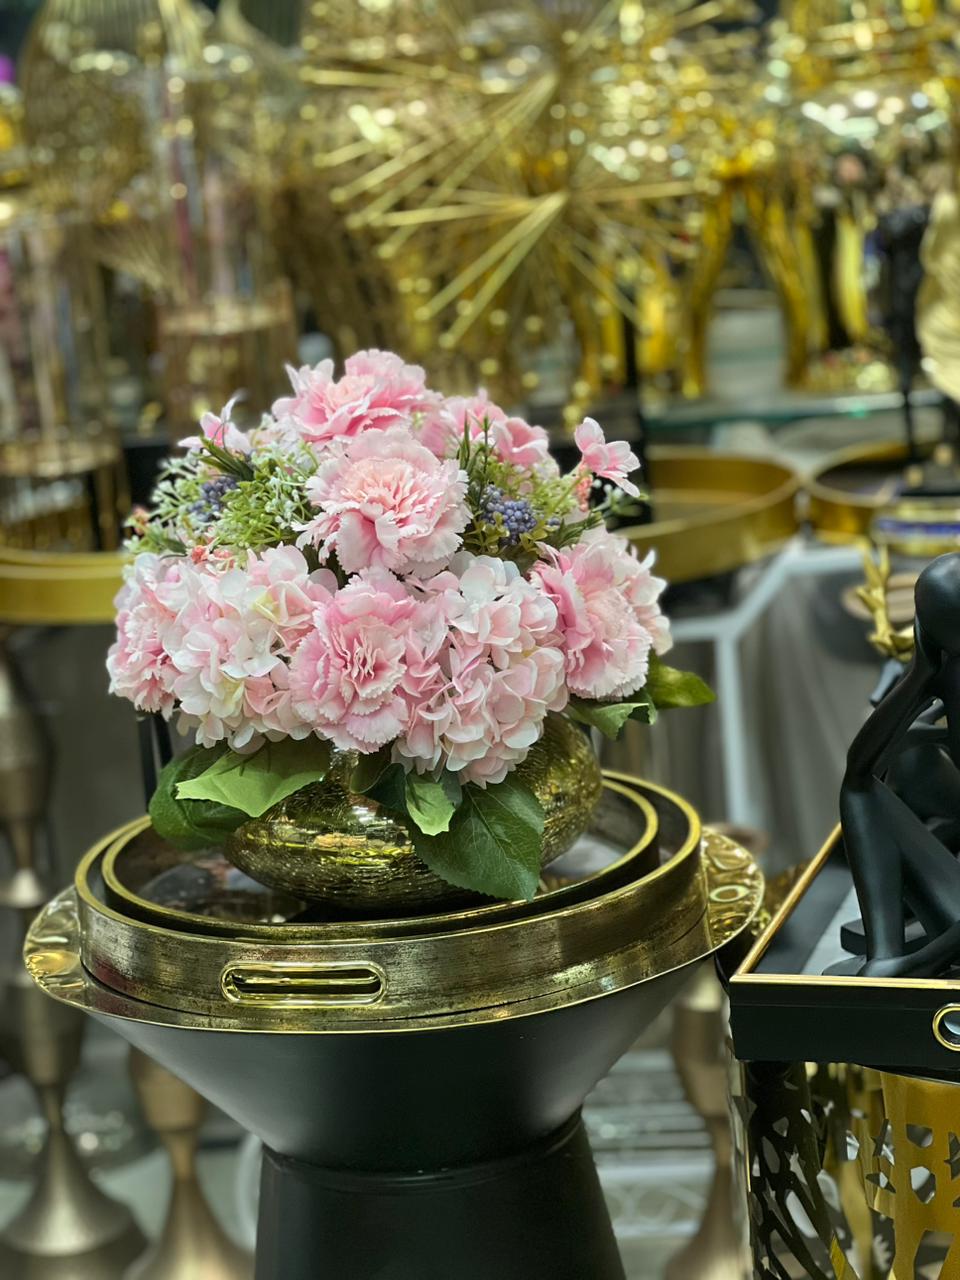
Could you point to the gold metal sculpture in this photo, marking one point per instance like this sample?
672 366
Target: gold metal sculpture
860 96
938 303
891 640
526 189
192 1244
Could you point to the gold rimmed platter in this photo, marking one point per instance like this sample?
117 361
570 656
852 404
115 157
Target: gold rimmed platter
347 970
145 878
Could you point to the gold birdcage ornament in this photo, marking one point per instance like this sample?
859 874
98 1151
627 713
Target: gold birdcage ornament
521 195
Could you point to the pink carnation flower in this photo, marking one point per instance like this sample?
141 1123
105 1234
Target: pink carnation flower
609 614
513 440
613 461
385 501
348 675
377 390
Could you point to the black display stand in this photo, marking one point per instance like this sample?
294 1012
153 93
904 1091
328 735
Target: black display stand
537 1214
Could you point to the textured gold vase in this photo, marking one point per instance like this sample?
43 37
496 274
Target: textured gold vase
325 843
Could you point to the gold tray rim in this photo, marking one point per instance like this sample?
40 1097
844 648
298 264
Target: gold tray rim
52 957
482 914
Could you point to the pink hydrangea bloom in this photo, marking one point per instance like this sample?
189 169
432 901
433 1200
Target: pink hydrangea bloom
291 593
498 675
608 608
139 665
348 676
514 440
377 390
385 501
613 461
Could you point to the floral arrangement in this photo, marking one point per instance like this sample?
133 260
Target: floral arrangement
387 571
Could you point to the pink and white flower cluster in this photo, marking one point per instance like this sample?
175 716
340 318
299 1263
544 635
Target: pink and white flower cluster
379 616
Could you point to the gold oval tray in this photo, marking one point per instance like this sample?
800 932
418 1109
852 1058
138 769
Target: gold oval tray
731 887
848 490
58 588
344 972
715 511
137 855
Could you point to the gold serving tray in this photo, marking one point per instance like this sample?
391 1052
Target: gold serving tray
715 511
853 484
376 975
58 588
135 857
730 887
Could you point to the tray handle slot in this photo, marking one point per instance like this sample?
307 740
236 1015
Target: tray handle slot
302 984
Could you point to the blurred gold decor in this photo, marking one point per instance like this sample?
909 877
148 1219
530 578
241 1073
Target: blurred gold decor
938 304
862 95
887 600
163 139
531 193
60 479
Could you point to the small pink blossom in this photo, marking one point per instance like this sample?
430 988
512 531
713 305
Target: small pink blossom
347 676
612 461
377 390
608 612
512 439
385 501
219 430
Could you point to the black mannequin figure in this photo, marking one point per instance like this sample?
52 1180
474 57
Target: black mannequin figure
897 860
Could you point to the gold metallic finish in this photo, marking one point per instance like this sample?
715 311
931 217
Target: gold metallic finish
698 900
327 845
58 589
505 181
718 1249
846 493
715 512
68 1226
938 303
448 963
942 1032
53 956
134 855
192 1244
884 595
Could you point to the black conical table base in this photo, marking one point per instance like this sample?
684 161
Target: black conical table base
536 1214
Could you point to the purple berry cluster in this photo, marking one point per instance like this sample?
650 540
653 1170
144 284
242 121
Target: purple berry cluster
517 514
212 492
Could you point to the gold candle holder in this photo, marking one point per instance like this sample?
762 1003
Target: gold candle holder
68 1229
192 1245
718 1250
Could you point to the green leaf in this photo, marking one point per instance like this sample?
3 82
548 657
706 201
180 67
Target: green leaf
390 789
432 804
191 824
610 717
669 687
494 842
257 782
369 769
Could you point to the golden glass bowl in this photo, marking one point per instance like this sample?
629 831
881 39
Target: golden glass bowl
326 844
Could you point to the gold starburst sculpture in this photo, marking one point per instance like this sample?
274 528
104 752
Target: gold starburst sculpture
528 189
